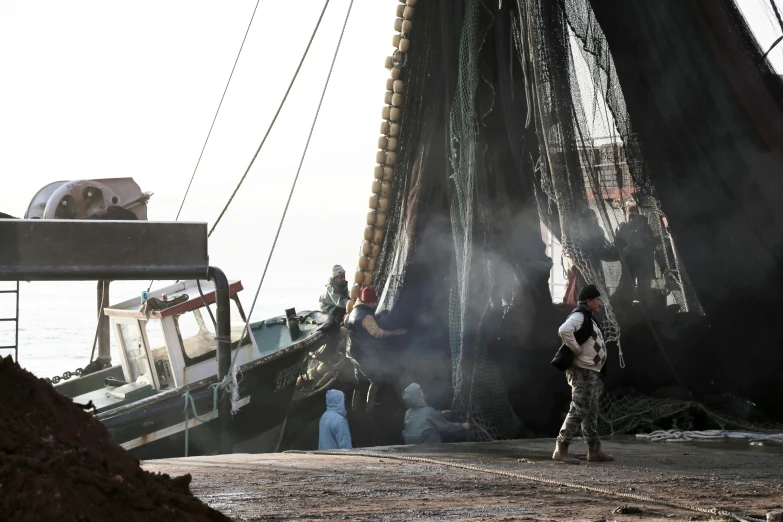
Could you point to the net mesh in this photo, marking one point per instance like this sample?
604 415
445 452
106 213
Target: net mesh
632 413
515 116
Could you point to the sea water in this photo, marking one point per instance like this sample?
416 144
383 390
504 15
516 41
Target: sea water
57 320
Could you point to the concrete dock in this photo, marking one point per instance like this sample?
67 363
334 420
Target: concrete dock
733 476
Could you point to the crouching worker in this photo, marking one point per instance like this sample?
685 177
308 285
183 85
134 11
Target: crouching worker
333 431
583 336
423 424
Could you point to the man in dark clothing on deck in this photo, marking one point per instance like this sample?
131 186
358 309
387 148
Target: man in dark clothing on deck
595 249
363 348
636 241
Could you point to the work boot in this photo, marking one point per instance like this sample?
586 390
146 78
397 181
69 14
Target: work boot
594 454
561 454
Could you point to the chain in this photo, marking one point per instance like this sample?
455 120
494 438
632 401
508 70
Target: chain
64 377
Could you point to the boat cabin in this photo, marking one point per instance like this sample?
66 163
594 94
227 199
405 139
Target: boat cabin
176 345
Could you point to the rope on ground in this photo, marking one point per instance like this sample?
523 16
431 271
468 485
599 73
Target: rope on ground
682 436
532 478
272 124
226 384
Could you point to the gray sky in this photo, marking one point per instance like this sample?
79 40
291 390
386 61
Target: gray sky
94 89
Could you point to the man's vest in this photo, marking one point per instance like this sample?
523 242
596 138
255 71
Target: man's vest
586 330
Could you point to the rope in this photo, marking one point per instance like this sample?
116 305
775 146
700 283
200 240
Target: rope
533 478
777 13
214 119
229 381
682 436
296 178
225 384
268 130
272 124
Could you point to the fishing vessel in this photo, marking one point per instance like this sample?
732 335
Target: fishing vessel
162 399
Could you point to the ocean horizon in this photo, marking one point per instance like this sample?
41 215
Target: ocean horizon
57 320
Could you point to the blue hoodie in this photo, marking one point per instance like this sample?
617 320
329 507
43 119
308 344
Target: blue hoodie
333 432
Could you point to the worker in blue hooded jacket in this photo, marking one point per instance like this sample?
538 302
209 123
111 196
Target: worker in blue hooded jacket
424 424
333 431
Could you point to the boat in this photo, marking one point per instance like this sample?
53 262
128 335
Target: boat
162 398
169 354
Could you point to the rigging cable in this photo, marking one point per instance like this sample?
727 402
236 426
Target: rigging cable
214 119
777 12
274 119
298 170
230 380
780 22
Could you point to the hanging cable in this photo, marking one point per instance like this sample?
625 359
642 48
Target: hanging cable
298 170
272 124
777 13
291 84
201 154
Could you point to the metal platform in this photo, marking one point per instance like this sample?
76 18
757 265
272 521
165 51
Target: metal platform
74 250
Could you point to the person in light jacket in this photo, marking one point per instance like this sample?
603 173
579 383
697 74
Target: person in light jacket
583 336
335 297
424 424
333 431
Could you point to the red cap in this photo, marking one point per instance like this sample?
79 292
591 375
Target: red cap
368 295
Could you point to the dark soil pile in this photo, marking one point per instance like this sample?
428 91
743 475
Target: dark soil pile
58 463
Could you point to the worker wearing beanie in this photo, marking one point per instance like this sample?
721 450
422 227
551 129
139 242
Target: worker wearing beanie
582 334
335 297
363 348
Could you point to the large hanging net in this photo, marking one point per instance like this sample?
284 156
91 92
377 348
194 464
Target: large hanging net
570 113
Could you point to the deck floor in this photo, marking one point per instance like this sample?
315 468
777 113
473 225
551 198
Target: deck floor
734 476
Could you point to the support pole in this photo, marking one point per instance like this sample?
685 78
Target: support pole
222 300
104 336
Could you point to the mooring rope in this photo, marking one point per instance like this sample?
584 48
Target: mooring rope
532 478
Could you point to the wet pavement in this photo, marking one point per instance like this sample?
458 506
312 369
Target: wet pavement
733 476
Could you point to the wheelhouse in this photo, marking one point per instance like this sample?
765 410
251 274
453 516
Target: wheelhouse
176 346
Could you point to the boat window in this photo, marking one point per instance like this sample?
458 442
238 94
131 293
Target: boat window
196 338
237 324
160 356
133 344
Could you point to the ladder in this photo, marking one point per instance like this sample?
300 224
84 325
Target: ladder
15 320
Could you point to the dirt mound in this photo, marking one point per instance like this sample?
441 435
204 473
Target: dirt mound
58 463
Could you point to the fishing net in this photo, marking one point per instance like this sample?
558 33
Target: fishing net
631 413
523 112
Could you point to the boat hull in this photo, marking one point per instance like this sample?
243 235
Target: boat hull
156 427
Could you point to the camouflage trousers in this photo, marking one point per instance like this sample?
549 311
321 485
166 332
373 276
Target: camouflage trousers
586 389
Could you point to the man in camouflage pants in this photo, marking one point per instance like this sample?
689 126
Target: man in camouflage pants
583 336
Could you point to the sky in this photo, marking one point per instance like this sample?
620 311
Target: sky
96 89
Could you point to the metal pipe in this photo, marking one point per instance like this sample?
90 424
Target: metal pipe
104 337
223 312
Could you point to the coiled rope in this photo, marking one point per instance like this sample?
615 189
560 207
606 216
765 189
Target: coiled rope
532 478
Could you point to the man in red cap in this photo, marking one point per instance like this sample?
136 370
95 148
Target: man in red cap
363 347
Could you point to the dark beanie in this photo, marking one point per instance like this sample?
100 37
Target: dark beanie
589 292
